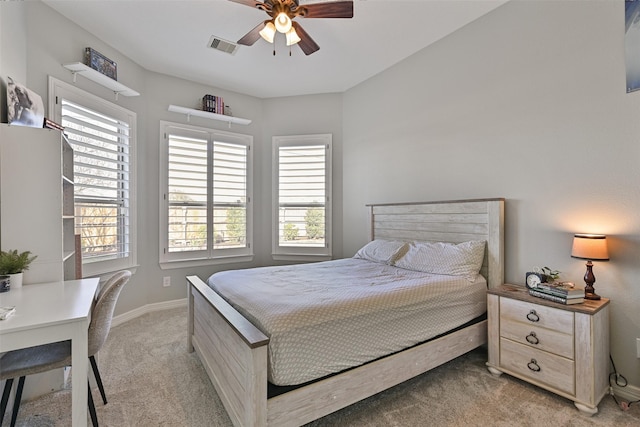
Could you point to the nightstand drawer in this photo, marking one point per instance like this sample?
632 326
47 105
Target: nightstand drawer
536 337
538 365
546 317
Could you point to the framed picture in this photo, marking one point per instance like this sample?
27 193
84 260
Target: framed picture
24 106
101 63
632 43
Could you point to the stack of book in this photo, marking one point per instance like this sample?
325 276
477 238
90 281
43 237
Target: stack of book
213 104
563 293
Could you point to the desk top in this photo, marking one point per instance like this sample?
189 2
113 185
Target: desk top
47 304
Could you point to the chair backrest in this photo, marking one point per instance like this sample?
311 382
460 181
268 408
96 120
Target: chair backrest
102 312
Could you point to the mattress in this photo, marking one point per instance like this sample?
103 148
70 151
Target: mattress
326 317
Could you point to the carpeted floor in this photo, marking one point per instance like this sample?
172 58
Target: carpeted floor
151 380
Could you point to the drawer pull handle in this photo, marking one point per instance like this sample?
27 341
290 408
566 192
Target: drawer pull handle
533 365
532 338
533 316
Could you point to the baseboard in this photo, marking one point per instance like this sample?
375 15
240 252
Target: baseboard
629 393
149 308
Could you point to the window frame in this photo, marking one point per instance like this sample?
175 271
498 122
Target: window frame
209 256
58 89
291 253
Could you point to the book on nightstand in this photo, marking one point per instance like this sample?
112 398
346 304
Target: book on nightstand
540 293
563 289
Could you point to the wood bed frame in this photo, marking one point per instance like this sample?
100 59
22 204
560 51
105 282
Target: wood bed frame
234 352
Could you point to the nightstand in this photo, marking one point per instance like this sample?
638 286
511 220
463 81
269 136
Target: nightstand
561 348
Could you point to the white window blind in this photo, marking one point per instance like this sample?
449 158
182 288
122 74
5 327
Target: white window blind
208 194
303 194
102 180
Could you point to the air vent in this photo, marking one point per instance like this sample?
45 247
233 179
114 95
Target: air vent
223 45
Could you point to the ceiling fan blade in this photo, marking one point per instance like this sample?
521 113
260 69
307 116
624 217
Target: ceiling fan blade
333 9
255 3
252 36
306 43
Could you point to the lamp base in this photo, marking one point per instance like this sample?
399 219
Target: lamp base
591 296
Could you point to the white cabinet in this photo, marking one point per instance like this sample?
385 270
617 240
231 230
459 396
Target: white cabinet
36 200
561 348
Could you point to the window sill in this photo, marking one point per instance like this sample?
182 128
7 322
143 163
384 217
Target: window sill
187 263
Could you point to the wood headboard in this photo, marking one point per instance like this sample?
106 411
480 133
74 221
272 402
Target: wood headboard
452 221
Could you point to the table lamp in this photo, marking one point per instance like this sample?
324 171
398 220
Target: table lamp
590 247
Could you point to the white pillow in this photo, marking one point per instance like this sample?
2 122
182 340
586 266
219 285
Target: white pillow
462 259
383 251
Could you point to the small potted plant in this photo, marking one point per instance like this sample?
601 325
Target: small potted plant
14 264
550 275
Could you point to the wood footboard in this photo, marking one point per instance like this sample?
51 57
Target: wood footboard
233 352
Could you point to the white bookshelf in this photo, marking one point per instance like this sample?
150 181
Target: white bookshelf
99 78
37 209
207 115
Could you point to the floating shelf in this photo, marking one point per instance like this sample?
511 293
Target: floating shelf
207 115
98 77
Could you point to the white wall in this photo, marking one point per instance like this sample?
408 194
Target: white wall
526 103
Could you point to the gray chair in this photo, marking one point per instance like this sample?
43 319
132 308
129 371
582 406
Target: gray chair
42 358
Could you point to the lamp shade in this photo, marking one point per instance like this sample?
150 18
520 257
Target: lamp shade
283 23
590 246
268 32
292 37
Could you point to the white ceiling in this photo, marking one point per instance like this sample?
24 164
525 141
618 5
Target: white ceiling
171 37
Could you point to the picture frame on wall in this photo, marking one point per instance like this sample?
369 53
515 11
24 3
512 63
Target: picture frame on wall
100 63
632 44
24 106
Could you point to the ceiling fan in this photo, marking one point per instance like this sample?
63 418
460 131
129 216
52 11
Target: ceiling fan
282 13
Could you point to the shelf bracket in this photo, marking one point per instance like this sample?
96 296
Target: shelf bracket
188 118
116 92
74 76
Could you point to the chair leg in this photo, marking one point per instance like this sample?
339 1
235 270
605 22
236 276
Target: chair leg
5 398
16 402
96 373
92 407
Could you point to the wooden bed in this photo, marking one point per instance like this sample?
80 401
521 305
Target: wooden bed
234 352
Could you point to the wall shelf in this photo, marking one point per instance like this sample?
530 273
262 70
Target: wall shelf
207 115
99 78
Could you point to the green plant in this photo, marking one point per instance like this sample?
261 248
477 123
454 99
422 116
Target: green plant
12 262
552 275
314 220
290 231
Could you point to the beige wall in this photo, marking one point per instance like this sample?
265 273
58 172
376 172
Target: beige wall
526 103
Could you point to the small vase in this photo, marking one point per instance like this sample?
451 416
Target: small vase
15 280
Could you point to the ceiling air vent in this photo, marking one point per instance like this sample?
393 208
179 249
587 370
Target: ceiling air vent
223 45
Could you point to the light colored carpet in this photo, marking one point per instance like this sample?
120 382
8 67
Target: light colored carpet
151 380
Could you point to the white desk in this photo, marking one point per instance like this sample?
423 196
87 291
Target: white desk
51 312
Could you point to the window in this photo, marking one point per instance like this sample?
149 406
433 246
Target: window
302 196
206 202
102 136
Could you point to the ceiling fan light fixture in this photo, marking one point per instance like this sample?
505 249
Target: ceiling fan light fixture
292 37
268 32
283 23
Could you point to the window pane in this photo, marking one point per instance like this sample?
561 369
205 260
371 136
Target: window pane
302 195
101 175
229 195
187 194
